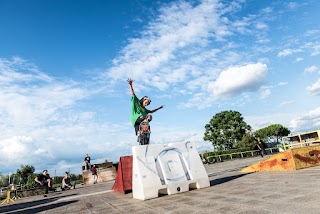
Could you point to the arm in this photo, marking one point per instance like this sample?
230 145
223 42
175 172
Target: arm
64 183
154 110
39 182
131 88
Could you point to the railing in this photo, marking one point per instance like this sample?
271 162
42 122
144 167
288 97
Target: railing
215 158
303 144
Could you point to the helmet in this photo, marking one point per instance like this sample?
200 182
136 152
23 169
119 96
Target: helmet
145 98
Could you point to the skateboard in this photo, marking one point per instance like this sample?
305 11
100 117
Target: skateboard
144 131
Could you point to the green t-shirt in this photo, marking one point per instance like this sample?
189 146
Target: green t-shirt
137 110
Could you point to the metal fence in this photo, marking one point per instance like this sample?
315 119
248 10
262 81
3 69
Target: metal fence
251 153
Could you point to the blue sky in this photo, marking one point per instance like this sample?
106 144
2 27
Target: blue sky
64 66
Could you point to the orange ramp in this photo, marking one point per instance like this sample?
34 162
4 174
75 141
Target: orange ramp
291 159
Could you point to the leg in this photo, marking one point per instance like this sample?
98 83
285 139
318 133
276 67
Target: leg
86 165
137 123
49 182
46 188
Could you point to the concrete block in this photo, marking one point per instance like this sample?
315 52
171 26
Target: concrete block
166 169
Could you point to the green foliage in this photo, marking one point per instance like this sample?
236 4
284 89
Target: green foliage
24 172
274 133
225 129
247 141
30 181
3 180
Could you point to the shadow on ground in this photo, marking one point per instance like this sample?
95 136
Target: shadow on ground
225 179
43 208
21 207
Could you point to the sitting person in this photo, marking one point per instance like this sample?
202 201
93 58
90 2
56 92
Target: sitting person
66 182
45 180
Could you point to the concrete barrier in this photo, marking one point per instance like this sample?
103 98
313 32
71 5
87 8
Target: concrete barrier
166 169
123 182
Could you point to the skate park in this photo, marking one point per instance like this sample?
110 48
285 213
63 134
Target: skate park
230 191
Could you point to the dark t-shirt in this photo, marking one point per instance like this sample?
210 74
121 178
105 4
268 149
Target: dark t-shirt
67 180
43 177
94 170
87 159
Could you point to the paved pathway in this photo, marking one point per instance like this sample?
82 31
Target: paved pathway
230 192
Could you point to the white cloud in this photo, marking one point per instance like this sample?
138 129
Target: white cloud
8 73
299 59
267 10
41 123
27 96
237 80
18 150
311 69
185 42
314 48
314 89
286 103
261 121
307 122
292 5
287 52
261 26
179 26
265 93
282 83
312 32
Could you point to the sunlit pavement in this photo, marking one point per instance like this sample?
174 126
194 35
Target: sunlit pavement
230 192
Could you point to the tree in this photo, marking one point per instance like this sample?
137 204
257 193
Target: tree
4 180
273 133
225 129
25 172
247 141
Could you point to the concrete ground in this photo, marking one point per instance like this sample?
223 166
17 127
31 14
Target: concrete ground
230 192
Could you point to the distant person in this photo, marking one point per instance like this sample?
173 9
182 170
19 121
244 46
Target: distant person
259 146
262 145
94 173
66 182
45 180
87 164
138 110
